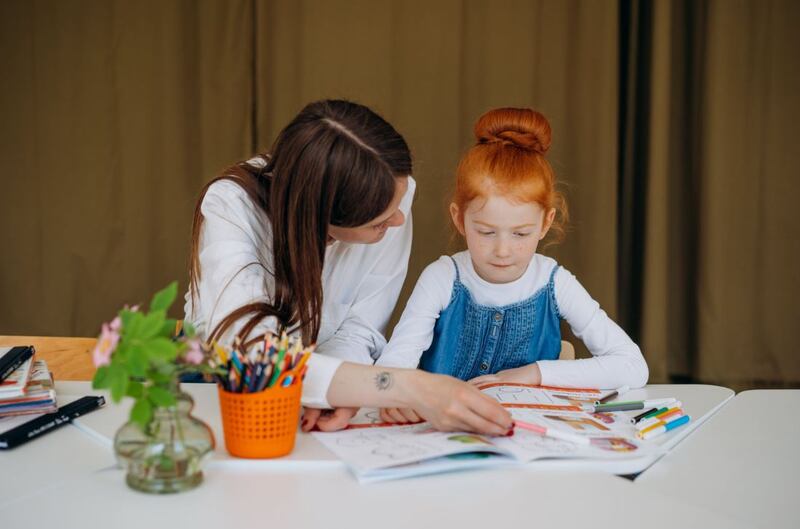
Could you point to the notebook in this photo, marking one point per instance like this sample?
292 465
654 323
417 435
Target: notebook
377 451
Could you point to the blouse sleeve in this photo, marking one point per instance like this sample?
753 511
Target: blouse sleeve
616 360
233 274
359 338
414 332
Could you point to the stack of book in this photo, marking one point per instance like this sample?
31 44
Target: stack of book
26 385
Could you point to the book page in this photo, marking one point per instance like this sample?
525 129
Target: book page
366 449
541 397
378 450
611 436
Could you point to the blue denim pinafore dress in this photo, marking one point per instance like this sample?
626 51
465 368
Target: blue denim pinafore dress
470 340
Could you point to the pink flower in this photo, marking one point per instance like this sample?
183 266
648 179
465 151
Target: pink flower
194 355
106 344
115 324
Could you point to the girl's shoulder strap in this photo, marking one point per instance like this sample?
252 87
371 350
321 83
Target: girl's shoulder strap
458 275
552 279
551 287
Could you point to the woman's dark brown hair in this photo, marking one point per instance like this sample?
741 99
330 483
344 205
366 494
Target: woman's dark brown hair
335 163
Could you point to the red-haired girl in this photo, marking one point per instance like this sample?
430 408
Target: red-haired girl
491 313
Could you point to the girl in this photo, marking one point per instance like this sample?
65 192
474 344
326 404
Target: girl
314 237
491 313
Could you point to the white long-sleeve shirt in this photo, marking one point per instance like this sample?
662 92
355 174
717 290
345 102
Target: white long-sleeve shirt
616 361
360 282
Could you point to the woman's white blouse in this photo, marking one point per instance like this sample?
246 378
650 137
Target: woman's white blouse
360 282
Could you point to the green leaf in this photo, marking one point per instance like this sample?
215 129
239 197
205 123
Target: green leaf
137 361
141 412
152 324
135 389
161 397
119 383
163 377
163 299
189 330
132 329
168 328
100 380
162 349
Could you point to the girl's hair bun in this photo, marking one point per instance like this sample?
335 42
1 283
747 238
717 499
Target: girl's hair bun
521 127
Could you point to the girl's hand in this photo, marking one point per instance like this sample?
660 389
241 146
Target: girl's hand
452 405
400 415
327 420
529 374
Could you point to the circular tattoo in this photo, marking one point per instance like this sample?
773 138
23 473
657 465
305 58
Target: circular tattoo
383 380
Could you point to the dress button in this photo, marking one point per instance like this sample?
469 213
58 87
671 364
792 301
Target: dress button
484 366
498 316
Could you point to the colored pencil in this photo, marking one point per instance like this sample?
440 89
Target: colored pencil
617 392
555 434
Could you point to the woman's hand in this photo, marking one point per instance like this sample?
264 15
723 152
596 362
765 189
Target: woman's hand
400 415
528 374
327 420
452 405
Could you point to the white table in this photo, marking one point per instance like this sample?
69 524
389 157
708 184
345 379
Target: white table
700 401
311 488
329 497
744 462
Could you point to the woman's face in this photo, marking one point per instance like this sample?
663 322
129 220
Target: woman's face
374 230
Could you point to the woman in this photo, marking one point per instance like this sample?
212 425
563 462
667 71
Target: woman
313 237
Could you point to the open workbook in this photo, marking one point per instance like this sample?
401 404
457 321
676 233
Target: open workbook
377 451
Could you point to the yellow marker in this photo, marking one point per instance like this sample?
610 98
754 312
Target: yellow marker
221 353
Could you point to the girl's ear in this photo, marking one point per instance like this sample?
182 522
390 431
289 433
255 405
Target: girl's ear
458 219
548 221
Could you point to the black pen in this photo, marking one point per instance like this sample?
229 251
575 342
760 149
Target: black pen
50 421
643 415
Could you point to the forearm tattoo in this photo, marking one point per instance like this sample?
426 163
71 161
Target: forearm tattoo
383 380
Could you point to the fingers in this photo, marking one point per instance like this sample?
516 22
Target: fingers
488 410
310 418
410 415
338 420
385 416
473 411
484 379
395 415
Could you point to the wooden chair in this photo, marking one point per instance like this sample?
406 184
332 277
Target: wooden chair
567 351
67 358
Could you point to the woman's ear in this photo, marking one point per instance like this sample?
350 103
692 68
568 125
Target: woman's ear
458 218
548 221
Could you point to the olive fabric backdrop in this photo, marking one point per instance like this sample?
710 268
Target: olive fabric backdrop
673 132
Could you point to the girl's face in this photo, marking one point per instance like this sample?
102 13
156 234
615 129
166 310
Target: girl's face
502 235
374 230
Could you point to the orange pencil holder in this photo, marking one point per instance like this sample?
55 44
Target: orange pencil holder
261 424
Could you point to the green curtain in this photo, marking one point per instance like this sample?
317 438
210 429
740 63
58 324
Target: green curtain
114 114
720 294
672 126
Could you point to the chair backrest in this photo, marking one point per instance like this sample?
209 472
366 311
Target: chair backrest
567 351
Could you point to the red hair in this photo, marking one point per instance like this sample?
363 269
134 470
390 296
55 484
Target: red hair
508 159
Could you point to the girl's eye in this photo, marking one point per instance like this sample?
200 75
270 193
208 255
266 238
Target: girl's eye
519 234
486 232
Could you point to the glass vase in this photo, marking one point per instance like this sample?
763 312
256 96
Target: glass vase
168 454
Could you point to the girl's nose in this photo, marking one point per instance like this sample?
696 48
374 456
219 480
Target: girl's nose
502 248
